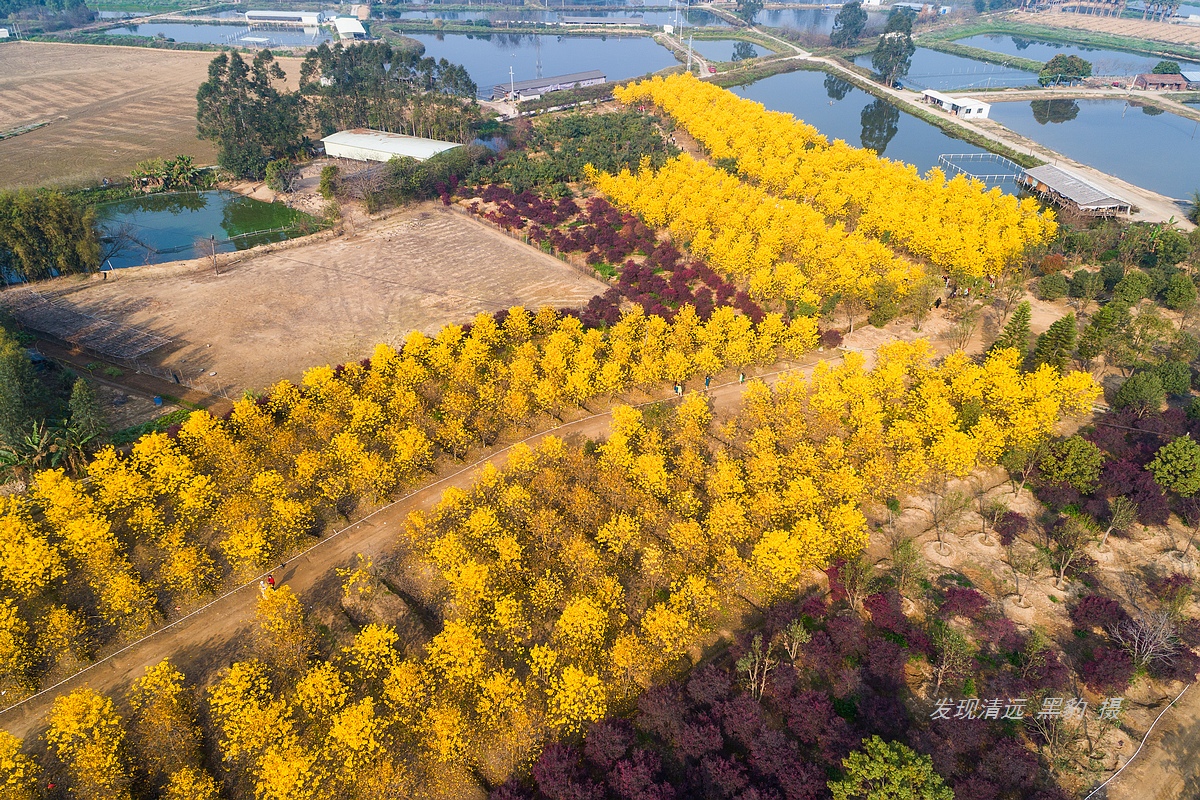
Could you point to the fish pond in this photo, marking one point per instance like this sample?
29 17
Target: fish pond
488 57
842 111
233 35
682 18
167 227
1104 62
727 49
811 20
931 69
1141 144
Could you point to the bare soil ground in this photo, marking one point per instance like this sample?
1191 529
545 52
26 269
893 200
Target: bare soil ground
1133 28
284 309
108 108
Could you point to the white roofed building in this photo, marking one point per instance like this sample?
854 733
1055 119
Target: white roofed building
309 19
361 144
349 29
536 87
1073 190
965 107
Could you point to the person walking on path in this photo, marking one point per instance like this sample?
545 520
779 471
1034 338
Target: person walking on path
271 581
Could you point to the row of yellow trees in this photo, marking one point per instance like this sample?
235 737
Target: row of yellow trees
82 561
571 580
780 248
954 224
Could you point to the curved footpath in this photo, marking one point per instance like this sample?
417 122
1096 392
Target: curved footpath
203 639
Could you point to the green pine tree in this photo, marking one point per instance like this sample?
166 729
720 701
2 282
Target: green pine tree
1016 333
1057 344
86 416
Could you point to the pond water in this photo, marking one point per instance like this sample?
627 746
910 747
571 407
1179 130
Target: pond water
166 226
932 69
1142 145
487 57
810 20
684 18
235 35
727 49
1104 62
841 111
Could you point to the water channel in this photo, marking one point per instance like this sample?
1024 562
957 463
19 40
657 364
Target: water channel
166 226
1104 62
488 57
932 69
1143 145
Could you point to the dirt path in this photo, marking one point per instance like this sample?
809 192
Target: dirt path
1169 765
212 634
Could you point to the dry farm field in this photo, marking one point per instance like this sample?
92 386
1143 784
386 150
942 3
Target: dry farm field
1133 28
107 109
275 314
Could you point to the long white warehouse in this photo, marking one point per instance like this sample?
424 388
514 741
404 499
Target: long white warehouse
361 144
309 19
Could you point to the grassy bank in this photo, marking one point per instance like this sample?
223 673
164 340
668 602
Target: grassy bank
765 69
1050 33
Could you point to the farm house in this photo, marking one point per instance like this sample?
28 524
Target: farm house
361 144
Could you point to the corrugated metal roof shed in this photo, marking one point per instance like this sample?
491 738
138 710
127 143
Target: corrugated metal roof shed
554 80
349 28
361 144
1078 190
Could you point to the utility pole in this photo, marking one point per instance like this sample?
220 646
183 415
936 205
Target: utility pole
512 86
689 66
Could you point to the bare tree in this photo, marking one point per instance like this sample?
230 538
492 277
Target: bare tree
990 511
1149 637
1010 290
1067 541
907 564
793 637
953 657
857 577
946 509
966 317
1024 563
207 248
118 240
1121 513
756 665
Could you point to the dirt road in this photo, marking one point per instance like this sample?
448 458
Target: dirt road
212 634
1169 765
